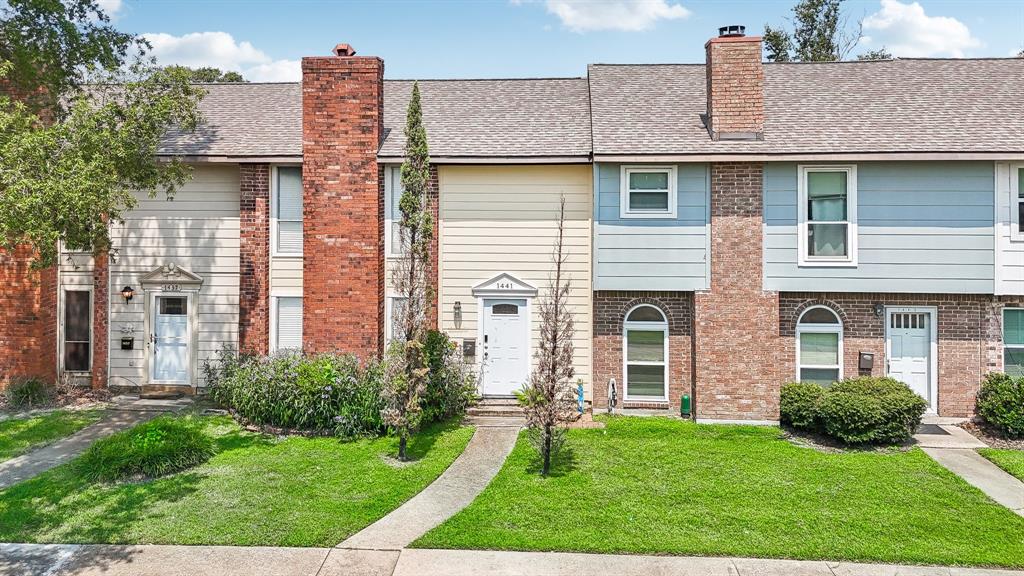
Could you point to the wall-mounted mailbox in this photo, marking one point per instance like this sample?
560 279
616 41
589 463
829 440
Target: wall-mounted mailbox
469 347
867 361
127 343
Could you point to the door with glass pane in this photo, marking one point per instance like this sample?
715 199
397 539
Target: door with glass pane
506 359
170 340
76 324
909 342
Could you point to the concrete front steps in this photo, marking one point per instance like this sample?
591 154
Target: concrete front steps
496 411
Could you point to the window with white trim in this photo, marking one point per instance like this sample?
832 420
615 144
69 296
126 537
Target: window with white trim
1013 341
287 210
393 216
287 322
1017 201
827 199
648 192
819 346
77 330
393 324
645 354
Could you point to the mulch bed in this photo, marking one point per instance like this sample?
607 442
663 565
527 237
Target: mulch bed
71 397
829 445
992 436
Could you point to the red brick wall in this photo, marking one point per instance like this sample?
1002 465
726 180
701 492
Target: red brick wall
735 322
100 319
969 334
735 85
343 251
610 308
28 321
254 266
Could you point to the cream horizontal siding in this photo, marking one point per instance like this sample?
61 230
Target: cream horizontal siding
199 231
1009 251
496 219
285 274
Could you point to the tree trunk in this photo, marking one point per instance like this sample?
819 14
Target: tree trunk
403 442
547 450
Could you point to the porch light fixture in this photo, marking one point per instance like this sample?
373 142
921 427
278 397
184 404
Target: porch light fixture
457 309
879 310
127 293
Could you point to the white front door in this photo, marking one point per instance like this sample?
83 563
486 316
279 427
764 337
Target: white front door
909 341
506 333
170 340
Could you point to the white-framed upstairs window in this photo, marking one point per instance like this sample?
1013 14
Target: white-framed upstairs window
1017 202
648 192
76 329
827 207
392 215
1013 342
286 211
286 324
645 354
819 346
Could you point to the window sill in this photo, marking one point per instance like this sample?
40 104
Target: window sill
647 216
826 264
286 255
646 404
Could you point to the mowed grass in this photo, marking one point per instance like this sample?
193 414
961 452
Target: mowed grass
21 435
256 490
660 486
1010 460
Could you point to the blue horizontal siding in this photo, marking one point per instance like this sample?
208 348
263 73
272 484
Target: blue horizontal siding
922 227
655 254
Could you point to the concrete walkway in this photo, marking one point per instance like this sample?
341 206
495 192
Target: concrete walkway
457 486
91 560
983 475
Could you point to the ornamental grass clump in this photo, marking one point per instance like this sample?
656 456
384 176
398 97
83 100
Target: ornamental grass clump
28 393
162 446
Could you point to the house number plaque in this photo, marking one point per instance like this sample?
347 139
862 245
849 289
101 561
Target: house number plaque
171 287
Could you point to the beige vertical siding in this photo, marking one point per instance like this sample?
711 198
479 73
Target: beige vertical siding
496 219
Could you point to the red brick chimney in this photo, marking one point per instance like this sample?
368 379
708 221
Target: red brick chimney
343 257
735 84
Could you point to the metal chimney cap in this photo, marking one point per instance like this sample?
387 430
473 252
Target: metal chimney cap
733 31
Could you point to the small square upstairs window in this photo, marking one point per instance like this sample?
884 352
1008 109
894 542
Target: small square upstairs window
648 192
828 215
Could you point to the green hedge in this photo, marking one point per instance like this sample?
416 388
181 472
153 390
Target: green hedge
156 448
1001 403
865 410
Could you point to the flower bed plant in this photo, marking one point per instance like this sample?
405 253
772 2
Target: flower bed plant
1001 403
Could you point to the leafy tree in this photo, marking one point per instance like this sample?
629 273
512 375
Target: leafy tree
548 398
880 54
82 111
208 74
820 34
1020 54
408 364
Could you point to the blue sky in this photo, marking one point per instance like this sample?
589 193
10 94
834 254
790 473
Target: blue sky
503 38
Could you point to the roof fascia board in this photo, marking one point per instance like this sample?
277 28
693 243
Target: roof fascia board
493 160
846 156
197 159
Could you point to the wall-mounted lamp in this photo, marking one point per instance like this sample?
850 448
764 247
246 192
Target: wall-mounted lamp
879 310
457 309
127 293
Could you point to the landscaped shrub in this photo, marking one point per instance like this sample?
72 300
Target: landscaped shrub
1001 403
162 446
451 386
799 404
870 410
28 393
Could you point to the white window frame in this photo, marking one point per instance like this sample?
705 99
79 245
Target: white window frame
392 175
850 260
624 191
1002 326
274 251
819 329
63 325
646 327
273 315
1016 234
389 309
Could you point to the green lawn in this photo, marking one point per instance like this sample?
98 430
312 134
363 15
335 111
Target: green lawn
256 490
660 486
19 435
1010 460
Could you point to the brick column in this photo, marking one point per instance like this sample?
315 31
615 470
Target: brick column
343 263
28 321
737 342
100 319
254 265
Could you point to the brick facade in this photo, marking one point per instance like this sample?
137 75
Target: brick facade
254 252
28 325
100 319
735 87
735 322
343 251
610 308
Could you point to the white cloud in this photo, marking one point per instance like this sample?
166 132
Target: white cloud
905 30
110 7
220 50
628 15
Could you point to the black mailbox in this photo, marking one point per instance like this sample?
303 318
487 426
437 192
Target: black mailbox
127 343
469 347
867 361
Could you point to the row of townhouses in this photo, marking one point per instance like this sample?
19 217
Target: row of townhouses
731 226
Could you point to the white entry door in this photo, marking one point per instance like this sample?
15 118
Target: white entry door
170 340
910 337
506 332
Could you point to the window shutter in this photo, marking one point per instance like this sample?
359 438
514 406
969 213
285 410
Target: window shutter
289 323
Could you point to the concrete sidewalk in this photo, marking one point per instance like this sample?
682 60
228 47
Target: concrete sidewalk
983 475
90 560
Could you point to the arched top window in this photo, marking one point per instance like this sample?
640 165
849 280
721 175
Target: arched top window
819 350
645 354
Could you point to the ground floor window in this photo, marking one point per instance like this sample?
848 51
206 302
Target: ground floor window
819 350
1013 341
645 354
77 330
288 322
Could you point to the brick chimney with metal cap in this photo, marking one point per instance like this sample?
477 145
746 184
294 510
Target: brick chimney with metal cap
735 85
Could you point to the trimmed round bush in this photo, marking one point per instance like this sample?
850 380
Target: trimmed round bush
799 404
28 393
1001 403
871 410
162 446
